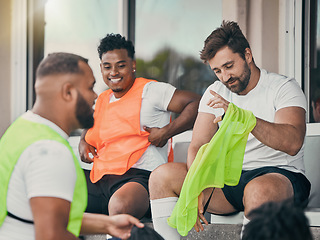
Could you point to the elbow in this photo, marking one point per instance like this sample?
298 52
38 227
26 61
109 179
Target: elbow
294 147
192 152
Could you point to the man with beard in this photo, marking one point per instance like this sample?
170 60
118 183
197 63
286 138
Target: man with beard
272 168
43 191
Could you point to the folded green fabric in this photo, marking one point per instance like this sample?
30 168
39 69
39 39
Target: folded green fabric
217 163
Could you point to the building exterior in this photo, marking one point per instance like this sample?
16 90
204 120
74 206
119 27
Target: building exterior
282 33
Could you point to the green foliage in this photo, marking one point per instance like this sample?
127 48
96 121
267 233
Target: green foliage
183 72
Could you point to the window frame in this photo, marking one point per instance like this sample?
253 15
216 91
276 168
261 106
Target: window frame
303 23
28 42
18 59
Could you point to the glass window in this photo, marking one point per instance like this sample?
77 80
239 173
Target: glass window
314 62
169 36
76 26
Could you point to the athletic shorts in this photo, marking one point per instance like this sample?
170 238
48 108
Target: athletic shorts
100 192
301 186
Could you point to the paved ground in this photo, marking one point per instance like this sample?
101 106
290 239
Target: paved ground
214 232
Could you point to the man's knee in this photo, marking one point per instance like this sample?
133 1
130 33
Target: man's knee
266 188
118 205
166 179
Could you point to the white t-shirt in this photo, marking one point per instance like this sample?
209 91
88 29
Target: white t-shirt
156 97
45 168
273 92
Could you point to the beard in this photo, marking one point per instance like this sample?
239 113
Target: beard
243 81
84 113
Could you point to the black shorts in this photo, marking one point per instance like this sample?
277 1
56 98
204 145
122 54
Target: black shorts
301 186
99 193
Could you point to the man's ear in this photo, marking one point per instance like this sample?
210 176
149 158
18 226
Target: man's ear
134 65
248 55
68 92
101 67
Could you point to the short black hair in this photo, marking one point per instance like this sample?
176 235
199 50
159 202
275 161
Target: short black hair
277 221
228 34
60 62
115 41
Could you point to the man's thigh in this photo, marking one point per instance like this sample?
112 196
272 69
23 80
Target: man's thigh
97 201
99 193
266 188
270 181
218 203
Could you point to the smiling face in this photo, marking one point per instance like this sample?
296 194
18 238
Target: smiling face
117 70
232 70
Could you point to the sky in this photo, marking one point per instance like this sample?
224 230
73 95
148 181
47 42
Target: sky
181 24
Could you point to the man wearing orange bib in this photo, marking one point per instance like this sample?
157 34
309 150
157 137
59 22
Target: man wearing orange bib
130 136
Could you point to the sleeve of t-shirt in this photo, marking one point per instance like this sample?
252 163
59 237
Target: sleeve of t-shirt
49 170
159 93
203 107
290 95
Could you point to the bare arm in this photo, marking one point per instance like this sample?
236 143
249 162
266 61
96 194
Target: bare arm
85 149
51 216
285 134
118 225
203 130
184 102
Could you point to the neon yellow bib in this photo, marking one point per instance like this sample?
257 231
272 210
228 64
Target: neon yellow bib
21 134
217 163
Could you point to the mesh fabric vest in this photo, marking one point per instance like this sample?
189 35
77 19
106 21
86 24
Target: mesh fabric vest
21 134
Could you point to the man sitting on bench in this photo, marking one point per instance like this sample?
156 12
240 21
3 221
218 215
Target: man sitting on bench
273 168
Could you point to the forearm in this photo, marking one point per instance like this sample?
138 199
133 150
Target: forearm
94 224
279 136
192 152
119 225
56 234
83 134
183 122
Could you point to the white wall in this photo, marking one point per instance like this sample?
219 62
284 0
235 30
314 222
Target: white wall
259 21
5 64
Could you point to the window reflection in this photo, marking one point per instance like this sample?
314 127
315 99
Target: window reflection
169 36
314 61
76 26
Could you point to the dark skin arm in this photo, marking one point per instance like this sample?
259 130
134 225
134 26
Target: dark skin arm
183 102
117 225
85 149
186 104
51 217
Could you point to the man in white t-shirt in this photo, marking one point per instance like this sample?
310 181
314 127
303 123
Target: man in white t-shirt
273 168
40 175
131 132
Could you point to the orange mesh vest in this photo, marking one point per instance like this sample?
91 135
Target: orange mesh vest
116 132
